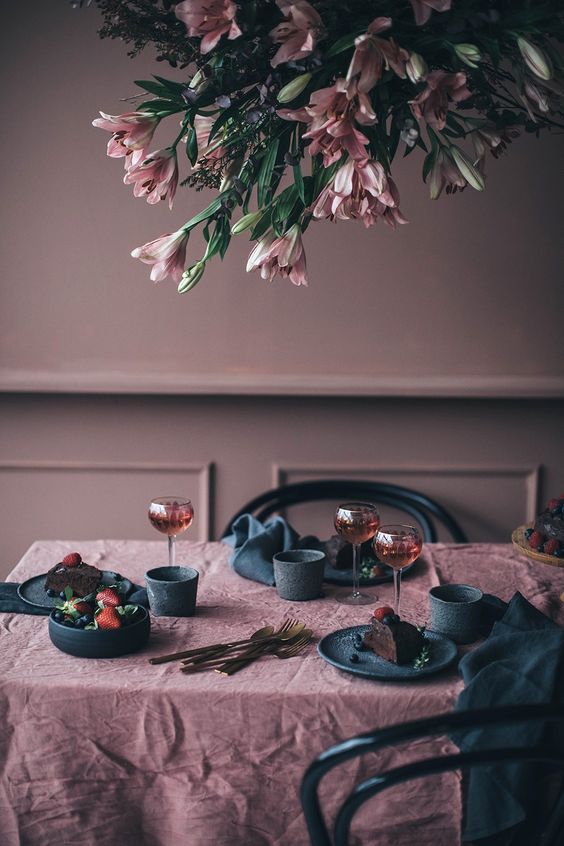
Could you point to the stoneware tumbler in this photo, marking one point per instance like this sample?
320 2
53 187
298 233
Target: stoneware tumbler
172 591
299 573
455 612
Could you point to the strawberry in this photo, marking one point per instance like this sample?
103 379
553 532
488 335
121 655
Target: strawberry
383 611
109 597
377 571
73 559
536 540
553 504
551 547
108 618
81 606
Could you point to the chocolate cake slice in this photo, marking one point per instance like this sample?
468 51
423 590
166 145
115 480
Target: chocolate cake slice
399 642
82 578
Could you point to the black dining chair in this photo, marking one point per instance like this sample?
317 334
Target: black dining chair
420 507
550 831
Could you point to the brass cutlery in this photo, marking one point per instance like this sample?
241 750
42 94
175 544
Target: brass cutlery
287 632
286 650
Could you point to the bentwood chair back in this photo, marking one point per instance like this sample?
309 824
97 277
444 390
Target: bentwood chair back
550 833
418 506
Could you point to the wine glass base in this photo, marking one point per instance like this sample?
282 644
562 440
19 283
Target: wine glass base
356 599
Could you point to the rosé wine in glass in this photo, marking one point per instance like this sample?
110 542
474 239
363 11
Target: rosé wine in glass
356 522
171 515
397 546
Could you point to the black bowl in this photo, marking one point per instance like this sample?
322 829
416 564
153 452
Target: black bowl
95 643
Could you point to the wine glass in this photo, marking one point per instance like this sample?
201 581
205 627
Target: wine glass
356 522
398 546
171 515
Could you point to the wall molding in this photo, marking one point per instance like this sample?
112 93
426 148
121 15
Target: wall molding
530 474
203 473
280 384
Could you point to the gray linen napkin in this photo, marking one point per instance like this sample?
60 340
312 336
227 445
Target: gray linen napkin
256 543
521 662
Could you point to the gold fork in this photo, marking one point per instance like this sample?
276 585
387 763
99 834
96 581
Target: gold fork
289 629
286 650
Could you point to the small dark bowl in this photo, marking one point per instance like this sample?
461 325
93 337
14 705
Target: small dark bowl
95 643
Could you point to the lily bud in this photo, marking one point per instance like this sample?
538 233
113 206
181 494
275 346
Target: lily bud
537 61
291 90
229 174
469 54
472 176
191 277
246 222
416 68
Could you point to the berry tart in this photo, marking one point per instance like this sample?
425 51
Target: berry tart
544 540
393 639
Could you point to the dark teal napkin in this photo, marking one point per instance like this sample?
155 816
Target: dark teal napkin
521 662
255 543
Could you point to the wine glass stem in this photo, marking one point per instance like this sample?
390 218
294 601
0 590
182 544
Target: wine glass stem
356 559
397 587
171 550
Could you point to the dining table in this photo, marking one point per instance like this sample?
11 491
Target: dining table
121 751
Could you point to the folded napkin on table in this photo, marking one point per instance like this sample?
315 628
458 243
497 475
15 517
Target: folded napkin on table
11 603
521 662
256 543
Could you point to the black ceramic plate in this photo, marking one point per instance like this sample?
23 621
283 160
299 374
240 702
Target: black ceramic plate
33 592
344 577
337 648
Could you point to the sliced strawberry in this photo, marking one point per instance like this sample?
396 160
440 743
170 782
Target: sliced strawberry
109 597
536 540
383 611
73 559
108 618
551 546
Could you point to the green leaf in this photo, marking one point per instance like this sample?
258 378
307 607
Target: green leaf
152 87
207 212
68 593
299 182
218 238
342 44
158 105
427 165
264 223
192 147
284 204
265 172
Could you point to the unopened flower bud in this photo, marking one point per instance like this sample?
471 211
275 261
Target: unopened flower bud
537 61
191 277
292 89
246 222
472 176
469 54
416 68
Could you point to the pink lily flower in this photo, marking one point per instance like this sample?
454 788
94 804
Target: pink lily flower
445 174
298 34
431 104
372 55
422 9
209 155
132 131
486 138
166 254
359 190
155 177
208 20
331 129
284 256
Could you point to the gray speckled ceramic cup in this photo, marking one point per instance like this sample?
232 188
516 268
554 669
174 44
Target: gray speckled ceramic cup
455 612
172 591
299 573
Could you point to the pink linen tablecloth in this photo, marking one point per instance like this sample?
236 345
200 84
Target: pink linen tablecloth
118 751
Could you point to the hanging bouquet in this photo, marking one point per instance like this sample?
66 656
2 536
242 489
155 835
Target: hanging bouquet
293 112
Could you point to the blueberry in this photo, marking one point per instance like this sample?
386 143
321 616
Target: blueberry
560 553
396 619
79 624
540 548
87 618
58 617
354 658
388 619
62 595
51 592
69 623
528 533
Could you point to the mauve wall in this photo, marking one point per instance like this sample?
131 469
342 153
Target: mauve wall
464 303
